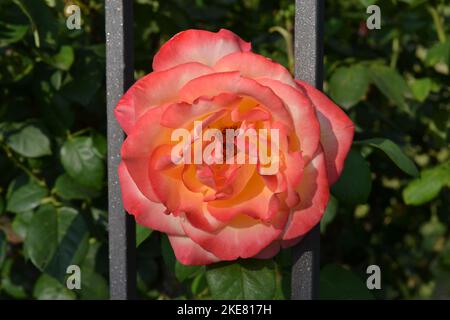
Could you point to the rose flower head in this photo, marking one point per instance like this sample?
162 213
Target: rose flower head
225 152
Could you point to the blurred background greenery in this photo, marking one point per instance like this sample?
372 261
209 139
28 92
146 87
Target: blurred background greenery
393 82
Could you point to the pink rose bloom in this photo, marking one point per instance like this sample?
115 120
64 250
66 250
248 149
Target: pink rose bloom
217 210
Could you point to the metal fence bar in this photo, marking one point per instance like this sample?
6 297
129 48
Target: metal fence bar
308 67
119 77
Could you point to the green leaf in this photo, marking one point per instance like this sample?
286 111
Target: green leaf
56 79
338 283
84 86
242 280
167 253
421 88
414 3
63 59
100 144
440 52
21 222
431 232
30 142
367 3
26 197
390 83
48 288
81 162
8 285
73 241
142 233
349 85
91 260
199 284
42 238
67 188
355 182
147 270
3 247
394 152
14 67
183 272
428 185
11 33
56 239
93 285
329 214
147 266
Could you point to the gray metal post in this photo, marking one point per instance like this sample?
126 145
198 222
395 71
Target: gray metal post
119 77
308 67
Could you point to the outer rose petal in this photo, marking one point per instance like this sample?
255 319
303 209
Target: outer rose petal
154 89
271 250
303 113
252 65
144 137
336 130
147 213
314 193
243 237
198 46
190 253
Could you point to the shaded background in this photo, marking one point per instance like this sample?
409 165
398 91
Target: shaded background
393 83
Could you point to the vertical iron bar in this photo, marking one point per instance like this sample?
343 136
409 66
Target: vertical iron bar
119 77
308 67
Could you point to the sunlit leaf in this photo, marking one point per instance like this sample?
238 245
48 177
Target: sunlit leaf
421 88
390 83
348 85
394 152
428 185
67 188
81 162
48 288
26 197
56 238
30 142
183 272
242 280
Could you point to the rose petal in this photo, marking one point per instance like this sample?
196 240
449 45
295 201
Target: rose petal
272 250
174 194
180 114
256 201
336 130
314 193
144 137
254 114
198 46
154 89
189 253
231 82
147 213
243 237
307 126
252 65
